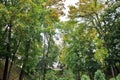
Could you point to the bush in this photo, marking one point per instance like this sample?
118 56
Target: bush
112 79
85 77
99 75
51 75
117 78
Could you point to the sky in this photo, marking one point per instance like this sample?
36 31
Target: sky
63 18
66 4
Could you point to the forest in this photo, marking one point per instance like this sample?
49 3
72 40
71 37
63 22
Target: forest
35 44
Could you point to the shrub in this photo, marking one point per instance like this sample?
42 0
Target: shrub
99 75
117 77
85 77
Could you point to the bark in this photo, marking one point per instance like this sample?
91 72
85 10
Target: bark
116 70
27 47
5 74
44 62
44 72
44 66
13 59
91 76
6 68
113 74
45 55
22 73
78 75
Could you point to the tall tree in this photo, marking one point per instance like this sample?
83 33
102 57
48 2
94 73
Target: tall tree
110 20
15 17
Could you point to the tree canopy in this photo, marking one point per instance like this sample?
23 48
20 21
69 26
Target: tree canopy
36 45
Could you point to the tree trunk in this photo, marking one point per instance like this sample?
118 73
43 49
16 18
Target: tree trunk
113 74
13 59
91 76
44 71
27 47
5 74
44 62
22 73
78 75
116 70
6 68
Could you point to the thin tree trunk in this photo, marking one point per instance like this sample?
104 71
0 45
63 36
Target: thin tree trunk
44 65
27 47
22 73
78 76
39 75
13 59
5 74
113 74
116 71
45 55
91 76
44 72
44 62
6 68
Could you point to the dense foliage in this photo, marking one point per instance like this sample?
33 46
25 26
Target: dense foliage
38 46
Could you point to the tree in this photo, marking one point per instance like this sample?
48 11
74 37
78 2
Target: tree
90 39
89 11
16 16
110 20
80 41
